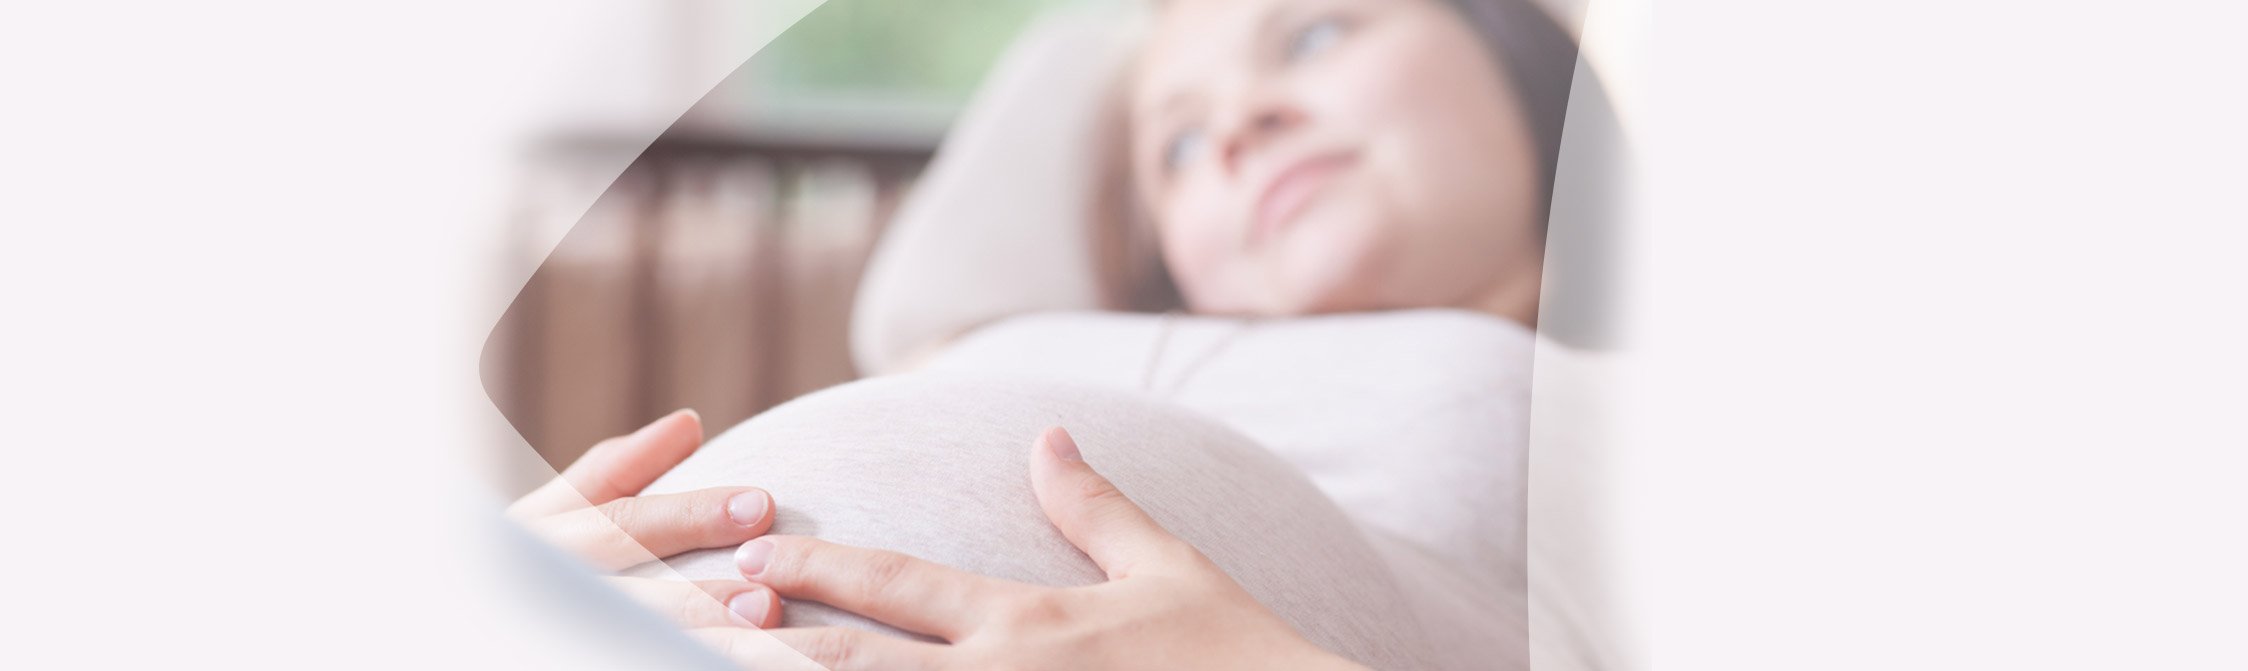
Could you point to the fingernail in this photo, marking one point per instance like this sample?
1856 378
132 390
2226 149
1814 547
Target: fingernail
747 508
1063 447
751 605
751 558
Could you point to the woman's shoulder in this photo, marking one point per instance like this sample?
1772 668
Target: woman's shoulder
1076 330
1122 348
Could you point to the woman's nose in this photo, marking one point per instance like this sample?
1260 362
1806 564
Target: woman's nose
1257 131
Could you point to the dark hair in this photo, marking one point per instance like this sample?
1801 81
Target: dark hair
1540 58
1538 55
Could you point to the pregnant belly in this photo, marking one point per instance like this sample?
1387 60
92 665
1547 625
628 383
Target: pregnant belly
937 466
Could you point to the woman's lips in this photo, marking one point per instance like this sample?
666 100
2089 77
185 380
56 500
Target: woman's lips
1293 190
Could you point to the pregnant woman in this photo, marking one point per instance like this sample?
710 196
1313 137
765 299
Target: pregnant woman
1312 458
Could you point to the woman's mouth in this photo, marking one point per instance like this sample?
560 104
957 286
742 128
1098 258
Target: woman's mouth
1294 190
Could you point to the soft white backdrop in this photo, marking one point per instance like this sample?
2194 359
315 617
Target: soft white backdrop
1939 362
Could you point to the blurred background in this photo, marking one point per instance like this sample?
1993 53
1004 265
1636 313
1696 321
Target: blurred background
717 272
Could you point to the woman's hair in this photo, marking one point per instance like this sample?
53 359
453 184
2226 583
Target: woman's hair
1539 57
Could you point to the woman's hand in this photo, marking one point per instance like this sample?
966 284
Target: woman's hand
594 511
1164 605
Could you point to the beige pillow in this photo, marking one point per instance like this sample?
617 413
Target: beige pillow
999 223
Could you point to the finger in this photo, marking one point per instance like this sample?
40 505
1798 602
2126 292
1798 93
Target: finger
753 649
833 648
708 603
633 530
617 467
893 588
1092 512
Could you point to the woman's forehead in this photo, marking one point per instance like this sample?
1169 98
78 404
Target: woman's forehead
1192 38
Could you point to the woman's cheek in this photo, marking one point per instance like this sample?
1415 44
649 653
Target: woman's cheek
1369 86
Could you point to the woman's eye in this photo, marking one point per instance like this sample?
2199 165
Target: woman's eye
1313 38
1183 147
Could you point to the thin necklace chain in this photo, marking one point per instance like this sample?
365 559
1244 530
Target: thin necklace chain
1162 344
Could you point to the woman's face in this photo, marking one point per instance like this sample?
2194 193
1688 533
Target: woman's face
1329 155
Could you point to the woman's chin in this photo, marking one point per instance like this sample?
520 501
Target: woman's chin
1326 269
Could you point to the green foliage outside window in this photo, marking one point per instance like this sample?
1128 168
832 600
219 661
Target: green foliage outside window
931 51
